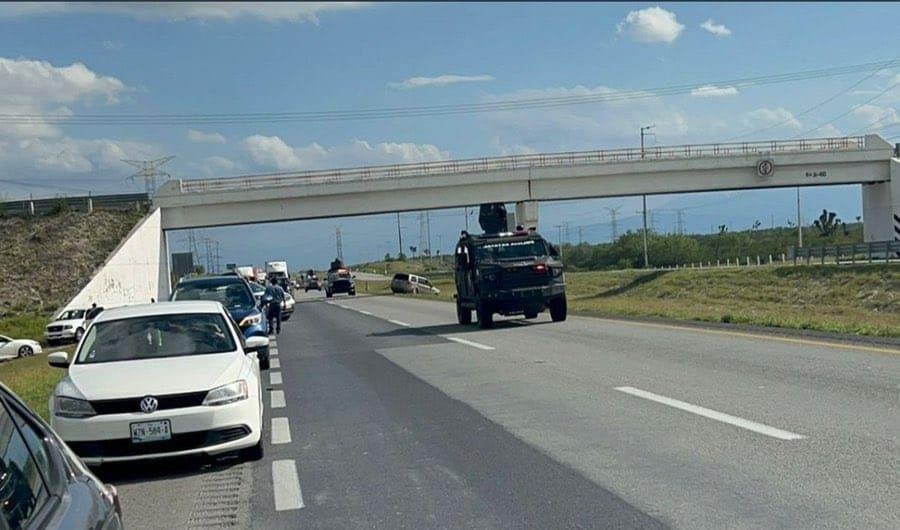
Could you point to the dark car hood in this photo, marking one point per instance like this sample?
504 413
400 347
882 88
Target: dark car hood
239 313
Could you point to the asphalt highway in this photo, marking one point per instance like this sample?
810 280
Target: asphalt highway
384 413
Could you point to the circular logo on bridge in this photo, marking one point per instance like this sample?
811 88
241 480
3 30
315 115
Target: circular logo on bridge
765 167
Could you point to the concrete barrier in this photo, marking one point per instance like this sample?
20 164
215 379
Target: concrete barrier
134 272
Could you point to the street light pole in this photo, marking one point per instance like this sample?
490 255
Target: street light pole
799 221
644 211
399 236
643 134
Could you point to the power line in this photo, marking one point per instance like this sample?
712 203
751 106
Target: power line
848 111
432 110
810 109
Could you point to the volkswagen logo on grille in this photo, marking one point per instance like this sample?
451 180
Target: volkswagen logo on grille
149 404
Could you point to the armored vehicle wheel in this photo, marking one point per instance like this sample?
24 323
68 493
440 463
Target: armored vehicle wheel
485 316
463 315
558 309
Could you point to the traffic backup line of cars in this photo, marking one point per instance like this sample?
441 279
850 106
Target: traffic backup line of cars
161 380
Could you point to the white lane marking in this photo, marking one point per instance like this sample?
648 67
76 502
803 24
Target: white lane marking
400 323
286 485
274 378
281 431
469 343
277 399
713 414
363 311
273 351
274 363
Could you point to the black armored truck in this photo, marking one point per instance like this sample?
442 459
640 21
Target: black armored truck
507 272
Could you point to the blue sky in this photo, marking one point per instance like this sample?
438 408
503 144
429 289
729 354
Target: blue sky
207 58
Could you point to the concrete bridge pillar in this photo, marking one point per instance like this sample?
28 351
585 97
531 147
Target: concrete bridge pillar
881 208
527 214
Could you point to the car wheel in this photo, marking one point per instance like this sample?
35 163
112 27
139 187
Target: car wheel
78 334
25 351
252 454
327 294
558 309
463 314
485 316
352 293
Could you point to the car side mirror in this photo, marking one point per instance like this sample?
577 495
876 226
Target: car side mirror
58 359
256 343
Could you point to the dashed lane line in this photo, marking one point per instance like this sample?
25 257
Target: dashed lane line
469 343
286 485
276 397
274 378
281 431
274 363
713 414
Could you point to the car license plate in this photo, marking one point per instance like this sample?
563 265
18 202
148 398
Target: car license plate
151 431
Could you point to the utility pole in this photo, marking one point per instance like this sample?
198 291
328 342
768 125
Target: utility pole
799 221
399 237
612 214
428 229
646 259
559 239
679 221
580 239
643 134
149 170
466 213
339 243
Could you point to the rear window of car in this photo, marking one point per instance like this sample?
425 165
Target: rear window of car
156 336
401 277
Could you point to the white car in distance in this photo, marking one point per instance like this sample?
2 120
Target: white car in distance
160 380
11 348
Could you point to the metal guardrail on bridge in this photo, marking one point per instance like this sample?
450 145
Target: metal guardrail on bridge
82 203
847 143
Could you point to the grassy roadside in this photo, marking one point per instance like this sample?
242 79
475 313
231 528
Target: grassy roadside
24 326
32 379
861 300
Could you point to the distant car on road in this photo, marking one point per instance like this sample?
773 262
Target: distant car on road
161 380
312 282
410 283
43 484
236 294
11 348
287 307
339 281
67 326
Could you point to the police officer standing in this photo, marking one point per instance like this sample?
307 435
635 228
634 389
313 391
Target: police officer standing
275 296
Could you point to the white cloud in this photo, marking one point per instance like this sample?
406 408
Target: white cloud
273 152
712 91
58 157
441 80
112 45
653 24
180 11
765 117
28 82
719 30
874 117
200 137
589 126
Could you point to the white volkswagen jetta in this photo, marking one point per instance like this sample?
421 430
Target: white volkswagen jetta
160 380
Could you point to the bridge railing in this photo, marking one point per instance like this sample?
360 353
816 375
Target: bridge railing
848 253
847 143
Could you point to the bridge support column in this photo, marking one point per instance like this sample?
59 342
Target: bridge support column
881 208
527 214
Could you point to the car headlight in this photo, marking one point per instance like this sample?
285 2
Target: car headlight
226 394
250 320
69 407
67 327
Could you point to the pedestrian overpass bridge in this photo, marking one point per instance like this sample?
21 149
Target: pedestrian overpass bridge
525 180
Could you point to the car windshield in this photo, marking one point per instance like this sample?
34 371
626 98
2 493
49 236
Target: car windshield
155 336
232 295
257 288
71 314
506 250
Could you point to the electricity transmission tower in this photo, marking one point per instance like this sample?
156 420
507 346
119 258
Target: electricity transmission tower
613 212
149 170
